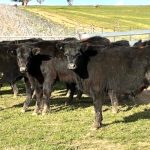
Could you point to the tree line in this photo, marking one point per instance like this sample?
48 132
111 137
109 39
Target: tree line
25 2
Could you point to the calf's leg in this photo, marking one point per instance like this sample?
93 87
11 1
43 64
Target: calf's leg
38 92
47 90
28 95
79 95
71 88
0 88
97 101
46 101
38 106
114 101
15 89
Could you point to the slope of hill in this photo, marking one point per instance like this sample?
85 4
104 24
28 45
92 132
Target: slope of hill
63 20
107 17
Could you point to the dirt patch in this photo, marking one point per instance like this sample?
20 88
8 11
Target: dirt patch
16 22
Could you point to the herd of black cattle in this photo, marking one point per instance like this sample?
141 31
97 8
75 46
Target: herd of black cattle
94 66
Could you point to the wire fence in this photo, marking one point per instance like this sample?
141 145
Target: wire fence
131 36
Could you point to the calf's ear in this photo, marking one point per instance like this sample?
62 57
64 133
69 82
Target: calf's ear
60 46
84 47
12 52
36 51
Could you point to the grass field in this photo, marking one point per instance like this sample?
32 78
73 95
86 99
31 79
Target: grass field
108 17
70 127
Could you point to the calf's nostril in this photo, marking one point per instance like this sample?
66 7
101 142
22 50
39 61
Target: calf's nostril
74 66
22 69
71 66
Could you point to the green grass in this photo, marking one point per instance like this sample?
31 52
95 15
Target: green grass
69 127
108 17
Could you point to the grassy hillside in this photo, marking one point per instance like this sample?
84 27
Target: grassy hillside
122 17
69 127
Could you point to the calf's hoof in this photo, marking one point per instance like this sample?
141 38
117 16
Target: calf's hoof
23 110
45 112
68 103
35 114
115 111
96 126
15 96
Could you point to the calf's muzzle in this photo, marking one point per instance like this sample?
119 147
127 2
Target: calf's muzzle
22 69
72 66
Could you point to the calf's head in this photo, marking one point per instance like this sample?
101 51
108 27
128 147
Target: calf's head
24 56
73 51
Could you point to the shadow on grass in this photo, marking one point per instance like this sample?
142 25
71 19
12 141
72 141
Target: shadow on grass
1 108
6 92
135 117
10 92
19 105
58 104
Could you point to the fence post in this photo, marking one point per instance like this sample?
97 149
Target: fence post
102 29
114 36
130 35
